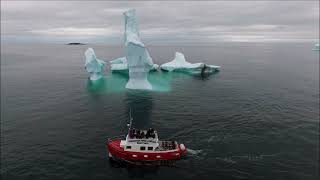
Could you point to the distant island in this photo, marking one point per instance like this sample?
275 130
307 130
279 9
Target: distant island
73 43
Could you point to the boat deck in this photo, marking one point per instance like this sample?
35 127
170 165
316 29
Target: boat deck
167 145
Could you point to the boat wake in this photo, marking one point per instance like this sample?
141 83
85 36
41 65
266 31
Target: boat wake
245 158
194 152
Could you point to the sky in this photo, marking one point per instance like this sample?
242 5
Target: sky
161 22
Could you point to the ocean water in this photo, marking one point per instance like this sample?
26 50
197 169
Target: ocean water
258 118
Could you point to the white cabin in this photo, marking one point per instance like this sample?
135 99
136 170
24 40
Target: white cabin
147 144
140 144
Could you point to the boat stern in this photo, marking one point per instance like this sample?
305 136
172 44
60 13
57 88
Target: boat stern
183 150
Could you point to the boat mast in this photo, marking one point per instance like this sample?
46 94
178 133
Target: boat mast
130 120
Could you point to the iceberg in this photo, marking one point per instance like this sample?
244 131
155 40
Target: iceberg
179 63
94 66
138 59
121 65
316 47
154 67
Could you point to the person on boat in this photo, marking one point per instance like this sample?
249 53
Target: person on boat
142 135
130 133
135 134
148 134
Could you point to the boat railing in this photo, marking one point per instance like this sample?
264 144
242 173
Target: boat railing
116 137
165 145
168 140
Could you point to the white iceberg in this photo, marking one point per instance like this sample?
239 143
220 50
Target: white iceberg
121 65
94 66
316 47
154 67
138 59
179 63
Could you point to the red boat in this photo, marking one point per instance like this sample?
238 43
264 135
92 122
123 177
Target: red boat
144 146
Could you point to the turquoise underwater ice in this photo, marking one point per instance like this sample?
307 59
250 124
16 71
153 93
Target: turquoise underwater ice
116 82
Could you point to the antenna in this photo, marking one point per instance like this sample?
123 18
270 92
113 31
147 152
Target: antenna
130 120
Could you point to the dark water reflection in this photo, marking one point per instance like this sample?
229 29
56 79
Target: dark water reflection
140 103
136 171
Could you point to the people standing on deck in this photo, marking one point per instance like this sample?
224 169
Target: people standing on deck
140 134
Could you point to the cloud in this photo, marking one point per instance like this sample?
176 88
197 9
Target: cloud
72 31
115 11
161 21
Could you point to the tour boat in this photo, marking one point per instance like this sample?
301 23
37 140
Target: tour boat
141 146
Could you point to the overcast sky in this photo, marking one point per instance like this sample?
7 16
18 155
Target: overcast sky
161 22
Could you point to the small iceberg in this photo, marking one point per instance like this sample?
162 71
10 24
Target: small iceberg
94 66
316 47
121 65
179 63
154 67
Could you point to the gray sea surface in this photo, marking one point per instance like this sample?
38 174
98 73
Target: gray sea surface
258 118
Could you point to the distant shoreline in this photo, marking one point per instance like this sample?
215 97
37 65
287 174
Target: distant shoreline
73 43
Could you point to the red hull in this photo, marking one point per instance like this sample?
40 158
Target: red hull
118 152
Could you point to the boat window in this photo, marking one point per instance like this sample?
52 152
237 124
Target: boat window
150 148
142 148
128 147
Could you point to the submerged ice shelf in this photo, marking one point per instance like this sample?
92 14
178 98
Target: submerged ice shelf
94 66
179 63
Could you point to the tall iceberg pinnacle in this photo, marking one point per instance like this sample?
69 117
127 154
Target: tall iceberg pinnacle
179 63
137 57
94 66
